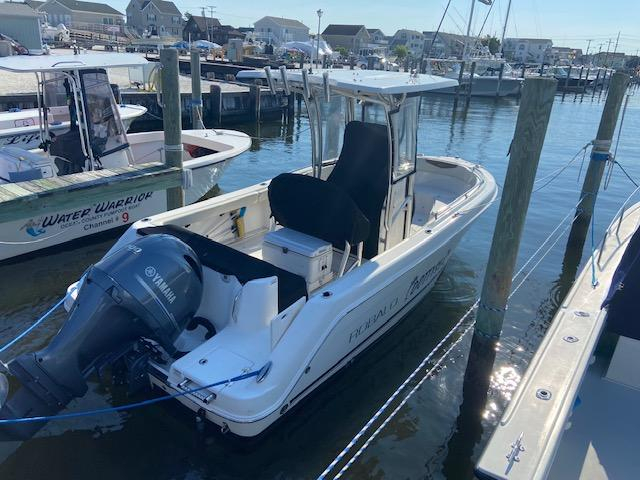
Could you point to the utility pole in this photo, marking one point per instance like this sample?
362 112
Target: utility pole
319 12
606 58
615 49
210 29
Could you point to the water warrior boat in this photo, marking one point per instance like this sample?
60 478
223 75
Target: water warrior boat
23 128
278 285
95 138
575 413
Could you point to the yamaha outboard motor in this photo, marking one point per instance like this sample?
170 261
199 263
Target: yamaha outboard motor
151 288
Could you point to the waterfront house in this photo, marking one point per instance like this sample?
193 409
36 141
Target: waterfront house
352 38
566 55
205 28
412 39
528 50
277 30
82 15
609 59
446 45
376 36
199 28
155 17
22 23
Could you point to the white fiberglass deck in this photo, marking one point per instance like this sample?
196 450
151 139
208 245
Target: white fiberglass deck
568 419
603 441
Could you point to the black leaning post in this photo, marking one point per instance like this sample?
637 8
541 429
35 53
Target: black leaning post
531 127
172 120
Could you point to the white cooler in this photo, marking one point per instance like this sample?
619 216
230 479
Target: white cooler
298 253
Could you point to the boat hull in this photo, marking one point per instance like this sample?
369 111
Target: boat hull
24 236
361 326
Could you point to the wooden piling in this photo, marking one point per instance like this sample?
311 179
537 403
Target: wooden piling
459 86
595 84
500 74
470 87
600 154
215 92
172 120
196 92
531 126
255 101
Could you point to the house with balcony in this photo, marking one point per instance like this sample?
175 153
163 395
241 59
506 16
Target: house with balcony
353 38
412 39
276 30
528 50
81 15
155 18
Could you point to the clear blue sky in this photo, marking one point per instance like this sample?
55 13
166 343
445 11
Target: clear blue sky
568 23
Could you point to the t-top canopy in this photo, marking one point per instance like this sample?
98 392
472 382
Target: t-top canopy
84 61
375 81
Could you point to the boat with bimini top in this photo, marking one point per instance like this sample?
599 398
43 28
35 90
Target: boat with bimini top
277 286
94 138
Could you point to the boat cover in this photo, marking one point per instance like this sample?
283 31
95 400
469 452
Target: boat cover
622 299
318 208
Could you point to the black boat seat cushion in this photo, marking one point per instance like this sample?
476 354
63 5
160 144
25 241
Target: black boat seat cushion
229 261
362 171
317 208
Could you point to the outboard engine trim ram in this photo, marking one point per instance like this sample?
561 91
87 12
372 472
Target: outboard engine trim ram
150 288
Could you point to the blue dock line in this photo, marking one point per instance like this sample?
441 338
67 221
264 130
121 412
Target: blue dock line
32 327
129 406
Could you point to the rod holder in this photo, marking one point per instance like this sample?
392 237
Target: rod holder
325 87
306 91
270 81
285 80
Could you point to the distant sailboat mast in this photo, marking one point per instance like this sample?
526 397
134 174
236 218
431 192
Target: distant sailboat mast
465 50
504 29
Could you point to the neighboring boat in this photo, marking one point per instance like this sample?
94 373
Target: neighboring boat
285 281
575 413
22 127
95 138
486 79
570 79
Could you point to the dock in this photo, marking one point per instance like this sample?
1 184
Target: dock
37 197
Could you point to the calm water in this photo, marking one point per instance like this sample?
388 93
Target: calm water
429 438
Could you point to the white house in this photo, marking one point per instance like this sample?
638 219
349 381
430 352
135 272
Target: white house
277 30
412 39
528 50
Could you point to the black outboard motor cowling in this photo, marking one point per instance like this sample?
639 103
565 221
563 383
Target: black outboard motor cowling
150 288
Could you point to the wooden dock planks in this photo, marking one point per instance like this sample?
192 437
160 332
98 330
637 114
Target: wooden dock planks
24 199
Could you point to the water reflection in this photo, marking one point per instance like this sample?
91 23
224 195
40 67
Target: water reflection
441 430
